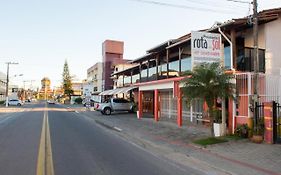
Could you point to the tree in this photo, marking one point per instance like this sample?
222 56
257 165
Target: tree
67 81
208 82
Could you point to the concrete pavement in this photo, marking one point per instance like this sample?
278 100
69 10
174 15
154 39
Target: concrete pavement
235 157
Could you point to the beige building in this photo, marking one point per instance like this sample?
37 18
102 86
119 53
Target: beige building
77 88
118 80
94 76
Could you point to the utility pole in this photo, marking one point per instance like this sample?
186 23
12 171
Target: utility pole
7 82
256 60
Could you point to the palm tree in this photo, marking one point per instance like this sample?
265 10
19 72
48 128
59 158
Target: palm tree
208 82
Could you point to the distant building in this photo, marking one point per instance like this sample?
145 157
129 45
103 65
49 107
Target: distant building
94 77
2 86
112 53
77 88
118 80
45 91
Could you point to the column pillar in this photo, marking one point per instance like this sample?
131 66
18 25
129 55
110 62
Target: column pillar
140 104
179 106
231 118
156 105
268 122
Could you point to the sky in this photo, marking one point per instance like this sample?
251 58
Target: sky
41 34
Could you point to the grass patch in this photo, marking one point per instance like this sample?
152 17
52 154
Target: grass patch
210 141
232 137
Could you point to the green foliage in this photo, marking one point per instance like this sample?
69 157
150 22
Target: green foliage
78 100
242 131
67 80
217 116
2 102
208 82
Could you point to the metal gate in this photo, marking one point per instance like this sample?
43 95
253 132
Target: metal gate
276 123
258 115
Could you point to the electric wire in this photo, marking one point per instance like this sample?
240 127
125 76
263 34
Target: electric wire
184 6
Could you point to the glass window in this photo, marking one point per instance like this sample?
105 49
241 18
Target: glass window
135 78
162 71
174 69
227 57
144 75
185 64
245 60
261 60
152 74
127 80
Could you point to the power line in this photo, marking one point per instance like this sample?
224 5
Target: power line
217 4
183 6
239 1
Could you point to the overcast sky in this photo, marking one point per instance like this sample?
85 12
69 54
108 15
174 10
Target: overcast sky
40 35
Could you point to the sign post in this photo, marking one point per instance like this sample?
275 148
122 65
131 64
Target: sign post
205 48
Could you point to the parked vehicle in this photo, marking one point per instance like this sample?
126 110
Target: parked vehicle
115 104
51 102
15 102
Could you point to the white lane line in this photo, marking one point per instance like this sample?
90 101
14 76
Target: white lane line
118 129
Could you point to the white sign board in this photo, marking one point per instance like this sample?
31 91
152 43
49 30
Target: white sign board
205 47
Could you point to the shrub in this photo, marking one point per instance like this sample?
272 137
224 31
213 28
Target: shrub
78 100
242 131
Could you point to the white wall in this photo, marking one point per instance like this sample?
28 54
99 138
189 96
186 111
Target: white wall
273 47
249 42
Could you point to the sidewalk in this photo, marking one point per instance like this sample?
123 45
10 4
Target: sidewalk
235 157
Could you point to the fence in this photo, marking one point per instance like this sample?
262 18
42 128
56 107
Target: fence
168 108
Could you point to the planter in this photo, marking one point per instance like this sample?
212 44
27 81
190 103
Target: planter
218 129
138 114
257 138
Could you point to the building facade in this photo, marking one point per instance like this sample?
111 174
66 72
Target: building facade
118 80
112 54
77 88
158 73
2 86
46 91
94 77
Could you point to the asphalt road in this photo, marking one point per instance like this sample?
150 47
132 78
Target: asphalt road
79 147
19 142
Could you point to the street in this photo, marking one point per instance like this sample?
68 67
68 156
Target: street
78 146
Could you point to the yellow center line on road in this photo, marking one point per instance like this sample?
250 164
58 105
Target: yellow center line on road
45 160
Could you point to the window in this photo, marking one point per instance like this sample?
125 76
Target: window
162 71
174 69
127 80
135 78
144 75
245 60
227 57
152 73
185 64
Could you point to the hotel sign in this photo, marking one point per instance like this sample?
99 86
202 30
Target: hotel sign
205 47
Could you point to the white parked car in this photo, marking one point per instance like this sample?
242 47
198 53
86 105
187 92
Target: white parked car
115 104
15 102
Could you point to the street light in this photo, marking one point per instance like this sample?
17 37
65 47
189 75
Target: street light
7 83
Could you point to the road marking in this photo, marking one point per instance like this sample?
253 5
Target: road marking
45 160
118 129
